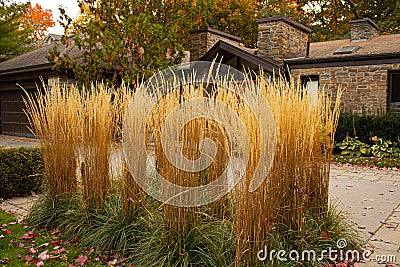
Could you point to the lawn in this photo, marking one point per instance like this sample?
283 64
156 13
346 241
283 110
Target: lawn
21 245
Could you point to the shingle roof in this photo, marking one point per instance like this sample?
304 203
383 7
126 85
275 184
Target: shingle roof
35 58
383 44
377 46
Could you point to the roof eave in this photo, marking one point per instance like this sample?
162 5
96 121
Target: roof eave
44 66
343 61
267 65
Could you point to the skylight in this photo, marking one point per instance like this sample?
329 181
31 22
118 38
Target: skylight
347 49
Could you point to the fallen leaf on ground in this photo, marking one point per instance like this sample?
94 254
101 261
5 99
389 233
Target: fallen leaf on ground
81 259
44 256
55 231
113 262
38 263
389 225
28 258
43 245
5 261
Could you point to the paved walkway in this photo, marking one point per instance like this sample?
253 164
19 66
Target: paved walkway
11 141
371 199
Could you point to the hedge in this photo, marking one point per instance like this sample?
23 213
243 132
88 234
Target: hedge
21 171
364 126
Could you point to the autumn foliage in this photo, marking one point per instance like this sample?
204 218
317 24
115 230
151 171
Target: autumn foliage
37 20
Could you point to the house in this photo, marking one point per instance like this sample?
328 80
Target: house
367 65
28 71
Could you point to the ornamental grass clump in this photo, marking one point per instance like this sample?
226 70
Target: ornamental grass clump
297 184
77 128
55 114
181 220
305 127
271 146
96 132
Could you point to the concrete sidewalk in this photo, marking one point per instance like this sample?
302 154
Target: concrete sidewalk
12 141
371 198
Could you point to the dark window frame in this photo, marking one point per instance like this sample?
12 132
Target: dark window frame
306 78
390 89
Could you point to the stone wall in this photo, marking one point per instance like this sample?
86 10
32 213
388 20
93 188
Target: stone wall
363 29
62 81
365 87
278 38
202 40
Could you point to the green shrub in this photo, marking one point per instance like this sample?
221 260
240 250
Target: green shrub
21 171
353 147
364 126
384 148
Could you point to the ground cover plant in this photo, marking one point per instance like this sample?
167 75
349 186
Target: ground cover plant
381 154
289 209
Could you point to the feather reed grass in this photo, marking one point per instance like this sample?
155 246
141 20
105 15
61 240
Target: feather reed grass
85 123
96 132
297 185
55 116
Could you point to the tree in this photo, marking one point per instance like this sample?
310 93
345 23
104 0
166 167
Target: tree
125 38
133 38
329 19
236 17
13 39
36 21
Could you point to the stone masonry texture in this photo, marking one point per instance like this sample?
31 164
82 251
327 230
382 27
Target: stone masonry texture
202 41
278 38
362 30
365 87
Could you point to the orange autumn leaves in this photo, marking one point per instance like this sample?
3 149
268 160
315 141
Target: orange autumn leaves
37 20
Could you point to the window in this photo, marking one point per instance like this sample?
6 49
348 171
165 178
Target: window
347 50
394 89
311 83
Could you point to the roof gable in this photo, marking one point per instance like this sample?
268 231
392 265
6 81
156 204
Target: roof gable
225 51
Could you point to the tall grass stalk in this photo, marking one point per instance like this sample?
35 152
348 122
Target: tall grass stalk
179 219
96 132
55 116
182 219
131 193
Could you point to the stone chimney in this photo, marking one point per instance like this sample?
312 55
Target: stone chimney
278 37
202 40
363 30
